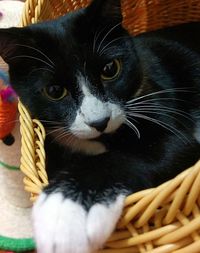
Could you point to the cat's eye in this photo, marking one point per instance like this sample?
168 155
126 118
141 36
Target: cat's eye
55 92
111 70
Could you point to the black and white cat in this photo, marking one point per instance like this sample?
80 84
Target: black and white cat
121 112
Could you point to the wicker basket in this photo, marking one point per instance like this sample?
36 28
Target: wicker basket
160 220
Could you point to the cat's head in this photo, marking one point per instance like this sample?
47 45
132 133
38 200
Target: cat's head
75 73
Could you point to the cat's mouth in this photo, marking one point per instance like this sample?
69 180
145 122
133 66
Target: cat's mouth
97 129
88 139
90 146
87 136
90 130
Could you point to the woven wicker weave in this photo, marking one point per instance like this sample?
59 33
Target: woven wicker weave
160 220
139 15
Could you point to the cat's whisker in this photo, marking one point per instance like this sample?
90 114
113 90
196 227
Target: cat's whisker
84 67
56 129
70 140
53 126
100 44
109 43
63 133
133 127
51 122
184 89
50 130
132 118
157 108
94 42
96 37
163 114
11 121
166 126
15 121
33 58
169 99
38 69
39 51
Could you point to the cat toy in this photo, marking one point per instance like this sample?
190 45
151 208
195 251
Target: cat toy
8 109
15 208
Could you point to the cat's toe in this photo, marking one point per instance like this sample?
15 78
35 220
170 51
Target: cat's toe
64 226
59 225
101 221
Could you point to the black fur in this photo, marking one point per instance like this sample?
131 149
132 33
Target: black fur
162 60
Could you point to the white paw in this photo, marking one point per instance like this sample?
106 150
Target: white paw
59 225
63 226
101 221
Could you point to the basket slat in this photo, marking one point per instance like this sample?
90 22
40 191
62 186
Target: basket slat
139 15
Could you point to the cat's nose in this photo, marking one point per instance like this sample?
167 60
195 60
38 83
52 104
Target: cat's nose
100 125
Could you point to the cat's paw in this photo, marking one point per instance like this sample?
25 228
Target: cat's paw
101 221
59 225
64 226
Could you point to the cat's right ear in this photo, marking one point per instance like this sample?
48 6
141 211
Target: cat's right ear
106 10
10 41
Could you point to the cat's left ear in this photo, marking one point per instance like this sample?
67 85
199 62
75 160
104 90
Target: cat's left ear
107 10
10 41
